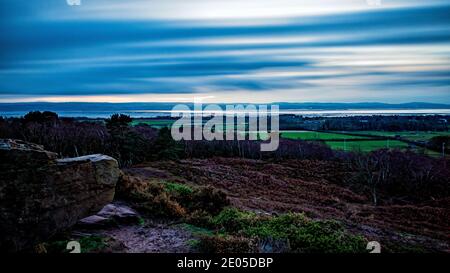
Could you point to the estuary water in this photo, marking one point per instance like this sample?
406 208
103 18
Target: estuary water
303 112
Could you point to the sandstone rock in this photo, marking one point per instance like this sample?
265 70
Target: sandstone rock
119 212
15 153
41 195
94 222
110 215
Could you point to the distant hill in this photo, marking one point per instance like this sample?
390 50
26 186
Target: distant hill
362 105
85 106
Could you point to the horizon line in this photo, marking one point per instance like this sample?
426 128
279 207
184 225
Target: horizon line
174 102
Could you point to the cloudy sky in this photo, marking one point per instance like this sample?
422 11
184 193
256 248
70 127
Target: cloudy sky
225 50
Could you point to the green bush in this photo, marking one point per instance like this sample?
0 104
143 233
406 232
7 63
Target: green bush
92 243
276 227
88 244
306 235
233 220
226 244
302 233
179 189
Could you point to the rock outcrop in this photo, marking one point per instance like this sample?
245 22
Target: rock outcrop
110 215
41 195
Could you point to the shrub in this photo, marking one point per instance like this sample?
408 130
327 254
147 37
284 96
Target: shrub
88 244
150 197
178 189
276 227
307 236
326 237
233 220
200 218
92 243
163 206
226 244
165 199
302 234
206 198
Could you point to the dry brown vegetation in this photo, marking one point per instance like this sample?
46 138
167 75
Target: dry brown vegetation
315 188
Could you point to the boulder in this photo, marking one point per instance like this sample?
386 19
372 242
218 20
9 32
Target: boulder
94 222
110 215
119 213
41 195
15 153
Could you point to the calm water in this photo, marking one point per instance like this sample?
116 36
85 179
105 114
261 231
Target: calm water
310 113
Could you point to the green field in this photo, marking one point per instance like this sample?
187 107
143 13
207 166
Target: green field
366 146
409 135
336 140
158 123
311 135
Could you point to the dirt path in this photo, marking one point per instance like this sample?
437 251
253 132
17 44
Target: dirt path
160 239
125 230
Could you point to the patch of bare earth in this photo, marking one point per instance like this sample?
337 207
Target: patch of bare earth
133 238
158 239
312 187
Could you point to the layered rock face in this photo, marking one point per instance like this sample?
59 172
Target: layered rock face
41 195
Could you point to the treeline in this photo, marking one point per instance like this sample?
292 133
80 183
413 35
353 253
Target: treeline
388 123
395 173
439 144
368 123
401 175
71 138
134 144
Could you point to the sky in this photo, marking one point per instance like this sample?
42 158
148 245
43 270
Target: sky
249 51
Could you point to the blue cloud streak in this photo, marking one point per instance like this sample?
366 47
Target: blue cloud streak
41 57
